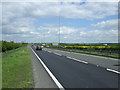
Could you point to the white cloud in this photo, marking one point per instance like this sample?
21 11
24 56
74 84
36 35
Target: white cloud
74 35
20 19
82 33
94 36
60 0
107 25
67 10
89 10
67 30
63 29
100 36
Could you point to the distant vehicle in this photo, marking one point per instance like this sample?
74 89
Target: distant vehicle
47 46
63 47
38 47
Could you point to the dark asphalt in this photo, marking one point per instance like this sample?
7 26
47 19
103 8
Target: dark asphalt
96 60
73 74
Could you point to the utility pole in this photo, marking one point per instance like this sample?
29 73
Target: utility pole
44 37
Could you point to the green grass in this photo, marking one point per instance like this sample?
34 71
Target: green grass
0 73
17 69
92 53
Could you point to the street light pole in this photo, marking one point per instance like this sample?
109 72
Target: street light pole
44 37
59 29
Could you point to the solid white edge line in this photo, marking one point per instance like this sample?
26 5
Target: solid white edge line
49 72
113 71
78 60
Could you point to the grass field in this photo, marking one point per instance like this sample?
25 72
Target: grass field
17 69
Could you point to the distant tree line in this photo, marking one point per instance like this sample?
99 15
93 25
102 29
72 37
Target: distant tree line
5 45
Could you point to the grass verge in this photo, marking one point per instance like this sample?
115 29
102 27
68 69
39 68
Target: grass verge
17 69
88 52
0 73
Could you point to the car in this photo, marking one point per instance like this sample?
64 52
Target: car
38 47
47 46
63 47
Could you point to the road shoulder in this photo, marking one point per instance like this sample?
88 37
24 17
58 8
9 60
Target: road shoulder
41 77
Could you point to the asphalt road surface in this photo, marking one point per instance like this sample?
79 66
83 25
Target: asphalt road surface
73 74
105 62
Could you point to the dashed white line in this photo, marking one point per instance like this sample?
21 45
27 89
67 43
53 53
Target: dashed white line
96 56
49 51
78 60
58 54
49 72
113 71
89 55
97 65
87 62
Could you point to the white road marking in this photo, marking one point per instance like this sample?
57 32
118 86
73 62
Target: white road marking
113 71
49 51
96 56
89 55
58 54
49 72
78 60
60 50
97 65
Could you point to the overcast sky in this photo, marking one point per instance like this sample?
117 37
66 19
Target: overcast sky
79 22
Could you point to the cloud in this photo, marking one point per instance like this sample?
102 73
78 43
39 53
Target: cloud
18 26
66 10
82 33
63 29
88 10
107 25
68 30
74 35
61 1
19 21
99 36
70 34
93 36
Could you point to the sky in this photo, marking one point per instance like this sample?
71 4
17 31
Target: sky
78 22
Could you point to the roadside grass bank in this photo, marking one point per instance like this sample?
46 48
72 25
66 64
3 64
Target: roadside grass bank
0 73
17 69
92 53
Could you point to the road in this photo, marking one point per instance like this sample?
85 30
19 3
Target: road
105 62
73 74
